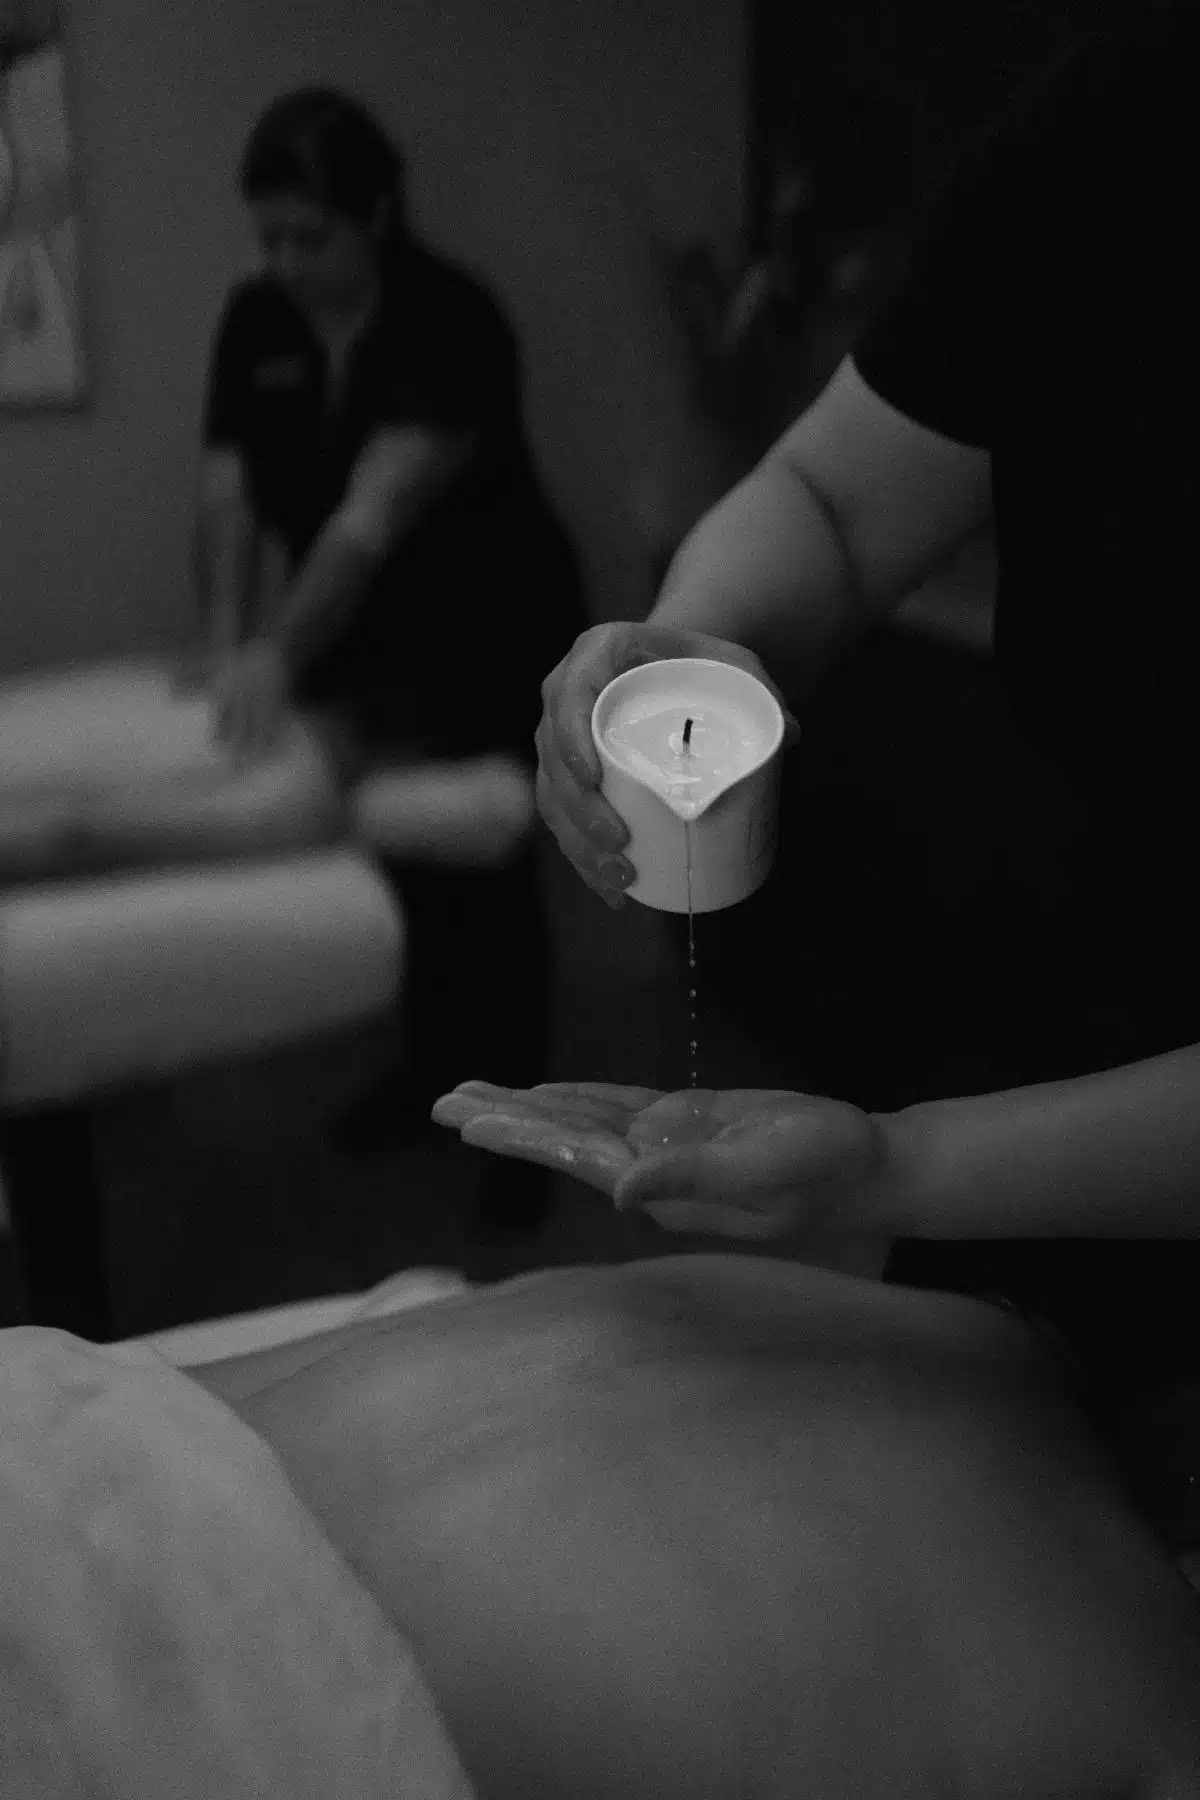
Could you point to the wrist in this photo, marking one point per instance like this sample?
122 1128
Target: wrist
899 1196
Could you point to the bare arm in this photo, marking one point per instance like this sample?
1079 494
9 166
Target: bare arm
1110 1155
225 543
398 477
848 513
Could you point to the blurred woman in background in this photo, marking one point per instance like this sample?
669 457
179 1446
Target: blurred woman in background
374 548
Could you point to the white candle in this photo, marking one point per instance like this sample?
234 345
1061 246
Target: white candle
646 736
720 784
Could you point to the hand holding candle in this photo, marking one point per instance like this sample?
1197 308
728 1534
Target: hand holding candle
590 833
689 748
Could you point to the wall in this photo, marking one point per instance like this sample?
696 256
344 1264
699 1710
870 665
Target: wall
517 114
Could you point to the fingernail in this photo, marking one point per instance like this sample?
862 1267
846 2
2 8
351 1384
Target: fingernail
615 872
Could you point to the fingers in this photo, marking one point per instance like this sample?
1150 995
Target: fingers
508 1124
574 1106
569 774
565 1126
606 874
569 693
595 1158
589 833
467 1099
600 1094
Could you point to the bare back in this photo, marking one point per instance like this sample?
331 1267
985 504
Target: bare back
722 1525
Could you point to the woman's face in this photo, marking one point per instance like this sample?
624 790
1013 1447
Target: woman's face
322 258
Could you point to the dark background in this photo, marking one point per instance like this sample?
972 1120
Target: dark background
891 91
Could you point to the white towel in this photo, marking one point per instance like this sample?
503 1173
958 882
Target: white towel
96 728
132 977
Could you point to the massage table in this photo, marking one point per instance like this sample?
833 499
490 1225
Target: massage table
134 977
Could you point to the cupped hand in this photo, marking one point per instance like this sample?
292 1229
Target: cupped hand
739 1162
589 833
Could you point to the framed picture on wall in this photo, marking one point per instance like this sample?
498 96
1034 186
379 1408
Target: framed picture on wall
41 340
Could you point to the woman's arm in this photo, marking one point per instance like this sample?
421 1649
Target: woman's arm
401 473
853 507
225 543
1110 1155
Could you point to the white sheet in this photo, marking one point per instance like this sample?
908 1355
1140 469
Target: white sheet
188 1346
100 727
130 978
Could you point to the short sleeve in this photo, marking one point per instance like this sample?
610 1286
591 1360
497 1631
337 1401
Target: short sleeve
455 364
225 411
986 278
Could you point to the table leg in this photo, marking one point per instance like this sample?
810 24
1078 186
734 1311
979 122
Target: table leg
57 1214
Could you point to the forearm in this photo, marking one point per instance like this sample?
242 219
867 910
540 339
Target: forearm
225 549
1115 1154
321 598
767 568
398 477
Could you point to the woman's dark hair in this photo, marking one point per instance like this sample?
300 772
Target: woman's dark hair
324 147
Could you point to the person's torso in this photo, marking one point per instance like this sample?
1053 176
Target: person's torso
310 416
490 541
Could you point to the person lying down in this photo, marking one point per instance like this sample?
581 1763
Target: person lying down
114 768
711 1525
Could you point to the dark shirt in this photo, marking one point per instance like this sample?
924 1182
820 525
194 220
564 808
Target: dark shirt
446 653
1050 315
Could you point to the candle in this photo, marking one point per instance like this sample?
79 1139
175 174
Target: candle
688 748
645 734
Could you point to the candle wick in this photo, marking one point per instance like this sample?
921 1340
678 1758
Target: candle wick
687 734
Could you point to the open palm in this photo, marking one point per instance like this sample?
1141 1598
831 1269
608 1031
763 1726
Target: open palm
741 1162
